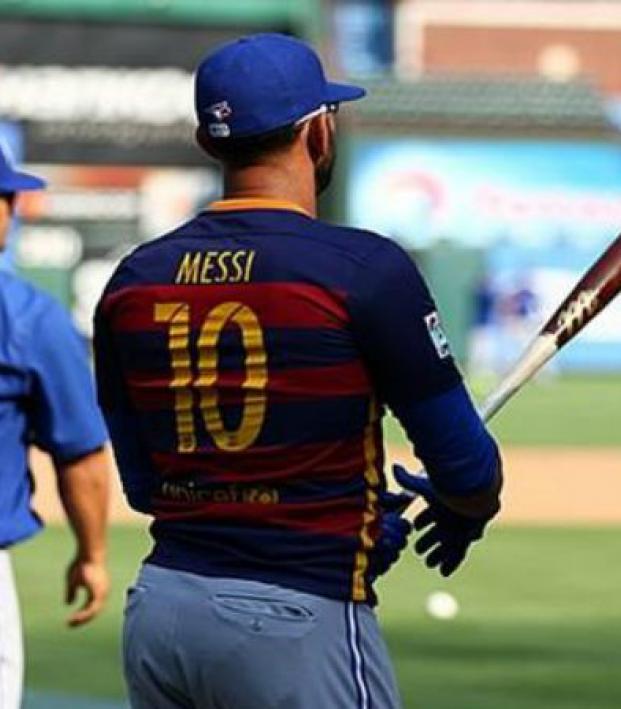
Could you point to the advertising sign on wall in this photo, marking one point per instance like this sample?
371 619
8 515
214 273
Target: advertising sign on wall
482 192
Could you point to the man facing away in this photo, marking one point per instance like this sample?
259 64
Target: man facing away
243 362
46 398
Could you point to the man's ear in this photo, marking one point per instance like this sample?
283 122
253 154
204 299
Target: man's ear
11 200
318 139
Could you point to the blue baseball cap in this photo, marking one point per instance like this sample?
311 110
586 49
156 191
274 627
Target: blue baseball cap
259 83
12 180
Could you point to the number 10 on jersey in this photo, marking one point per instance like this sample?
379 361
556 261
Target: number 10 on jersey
192 381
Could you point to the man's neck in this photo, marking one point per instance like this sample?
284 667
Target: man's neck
273 183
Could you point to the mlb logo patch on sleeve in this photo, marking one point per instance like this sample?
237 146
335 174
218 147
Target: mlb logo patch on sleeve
439 339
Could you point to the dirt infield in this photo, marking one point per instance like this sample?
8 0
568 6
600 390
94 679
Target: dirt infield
558 485
543 486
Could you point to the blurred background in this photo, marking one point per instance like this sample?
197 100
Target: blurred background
490 148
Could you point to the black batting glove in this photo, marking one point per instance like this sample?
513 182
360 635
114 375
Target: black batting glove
447 534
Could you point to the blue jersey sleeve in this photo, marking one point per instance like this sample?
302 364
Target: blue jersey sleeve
399 331
460 456
131 455
64 418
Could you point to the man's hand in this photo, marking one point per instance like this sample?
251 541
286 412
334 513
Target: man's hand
393 537
93 578
449 534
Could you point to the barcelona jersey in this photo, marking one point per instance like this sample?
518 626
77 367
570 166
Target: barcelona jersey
244 362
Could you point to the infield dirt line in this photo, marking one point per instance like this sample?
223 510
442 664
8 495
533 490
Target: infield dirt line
555 485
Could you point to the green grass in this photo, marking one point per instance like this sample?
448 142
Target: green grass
539 627
577 411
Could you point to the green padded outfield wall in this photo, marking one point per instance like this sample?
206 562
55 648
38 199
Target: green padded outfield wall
302 16
56 281
453 273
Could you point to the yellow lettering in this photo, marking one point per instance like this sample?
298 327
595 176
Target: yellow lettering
188 269
177 315
215 267
238 269
256 375
224 270
249 265
207 266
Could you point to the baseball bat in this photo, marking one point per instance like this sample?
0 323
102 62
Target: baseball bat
597 287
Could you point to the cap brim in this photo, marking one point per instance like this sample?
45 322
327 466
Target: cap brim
20 182
336 93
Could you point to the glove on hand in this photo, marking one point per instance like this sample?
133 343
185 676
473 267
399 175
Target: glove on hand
393 537
449 534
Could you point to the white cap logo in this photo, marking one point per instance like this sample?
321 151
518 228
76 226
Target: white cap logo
220 111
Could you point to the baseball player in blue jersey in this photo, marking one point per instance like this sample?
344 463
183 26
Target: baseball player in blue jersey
47 399
244 362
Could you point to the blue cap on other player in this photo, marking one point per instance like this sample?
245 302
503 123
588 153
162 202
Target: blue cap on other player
259 83
11 180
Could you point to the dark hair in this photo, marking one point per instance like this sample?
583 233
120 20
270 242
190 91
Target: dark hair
248 150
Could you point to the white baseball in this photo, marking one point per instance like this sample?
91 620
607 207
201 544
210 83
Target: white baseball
442 605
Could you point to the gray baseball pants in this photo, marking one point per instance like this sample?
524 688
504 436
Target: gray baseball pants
193 642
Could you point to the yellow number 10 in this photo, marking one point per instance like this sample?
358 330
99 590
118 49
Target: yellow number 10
177 315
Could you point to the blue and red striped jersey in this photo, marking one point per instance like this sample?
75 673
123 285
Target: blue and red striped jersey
243 363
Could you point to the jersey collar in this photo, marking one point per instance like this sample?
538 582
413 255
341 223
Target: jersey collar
244 203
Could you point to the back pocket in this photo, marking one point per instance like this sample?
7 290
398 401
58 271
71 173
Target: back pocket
263 615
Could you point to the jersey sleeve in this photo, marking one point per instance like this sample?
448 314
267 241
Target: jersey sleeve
132 458
399 331
64 417
398 328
